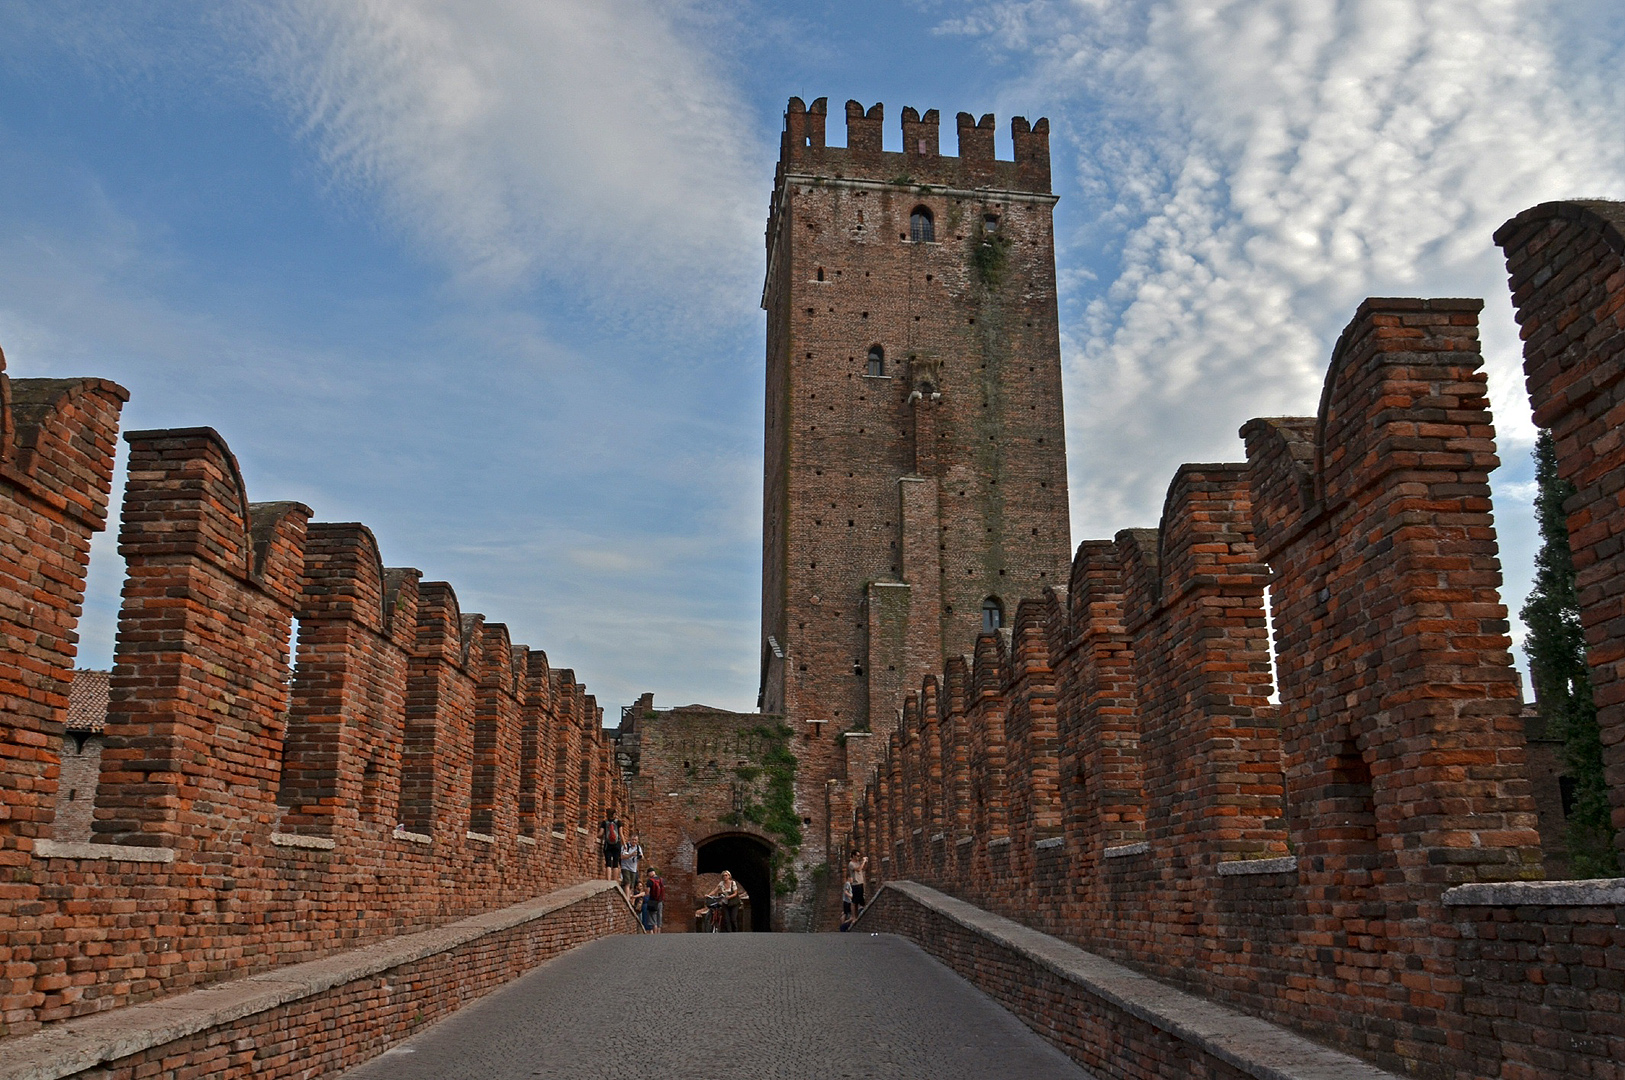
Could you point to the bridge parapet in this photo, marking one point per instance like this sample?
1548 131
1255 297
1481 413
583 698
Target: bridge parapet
388 781
1320 828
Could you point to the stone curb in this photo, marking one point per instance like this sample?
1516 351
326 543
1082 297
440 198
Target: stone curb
1256 1047
73 1046
1596 892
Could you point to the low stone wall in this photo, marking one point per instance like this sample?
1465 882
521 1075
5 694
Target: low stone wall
1114 1021
319 1018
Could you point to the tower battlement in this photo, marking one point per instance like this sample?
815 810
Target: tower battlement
804 150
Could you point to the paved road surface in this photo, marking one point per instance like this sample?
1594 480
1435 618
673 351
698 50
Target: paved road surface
711 1007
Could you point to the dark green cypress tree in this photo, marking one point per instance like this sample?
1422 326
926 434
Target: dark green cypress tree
1555 645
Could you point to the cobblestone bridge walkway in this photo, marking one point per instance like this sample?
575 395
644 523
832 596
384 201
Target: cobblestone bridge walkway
713 1007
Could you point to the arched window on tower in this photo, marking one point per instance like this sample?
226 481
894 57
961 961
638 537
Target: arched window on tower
922 227
992 615
877 360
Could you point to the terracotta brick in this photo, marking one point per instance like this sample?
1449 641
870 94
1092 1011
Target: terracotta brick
1289 857
896 503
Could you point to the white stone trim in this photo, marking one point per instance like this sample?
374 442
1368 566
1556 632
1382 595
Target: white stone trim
997 842
480 837
412 837
67 849
1240 867
1593 892
1123 851
979 194
308 843
1050 842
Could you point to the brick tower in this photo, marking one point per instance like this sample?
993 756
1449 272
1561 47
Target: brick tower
915 483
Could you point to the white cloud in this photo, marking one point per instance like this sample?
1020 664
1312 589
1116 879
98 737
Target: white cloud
1272 163
523 140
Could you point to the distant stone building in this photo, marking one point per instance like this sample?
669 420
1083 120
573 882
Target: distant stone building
81 751
915 474
711 790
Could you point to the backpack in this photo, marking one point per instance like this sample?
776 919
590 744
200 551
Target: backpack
657 889
612 831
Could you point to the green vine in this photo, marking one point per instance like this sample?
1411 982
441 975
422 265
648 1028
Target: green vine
990 255
775 809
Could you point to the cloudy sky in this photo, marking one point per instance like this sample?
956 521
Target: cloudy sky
483 274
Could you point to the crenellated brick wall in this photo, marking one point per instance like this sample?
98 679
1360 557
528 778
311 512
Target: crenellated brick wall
1347 847
57 438
1567 267
249 814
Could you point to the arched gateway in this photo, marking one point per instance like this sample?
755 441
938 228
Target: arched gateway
750 859
709 790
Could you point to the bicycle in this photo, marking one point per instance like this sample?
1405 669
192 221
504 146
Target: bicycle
714 914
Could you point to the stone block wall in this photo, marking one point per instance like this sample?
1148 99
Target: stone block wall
1347 846
412 767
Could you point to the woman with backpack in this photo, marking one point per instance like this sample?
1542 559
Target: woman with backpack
609 839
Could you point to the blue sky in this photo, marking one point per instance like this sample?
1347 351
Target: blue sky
483 275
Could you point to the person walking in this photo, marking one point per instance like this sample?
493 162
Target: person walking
631 855
856 872
654 901
732 898
609 840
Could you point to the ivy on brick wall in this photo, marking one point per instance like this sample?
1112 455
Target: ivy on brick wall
772 803
990 254
1557 666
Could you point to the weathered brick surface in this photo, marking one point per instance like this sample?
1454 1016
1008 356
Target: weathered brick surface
324 1034
1567 267
1109 1040
1289 857
57 438
896 503
1543 988
247 816
689 772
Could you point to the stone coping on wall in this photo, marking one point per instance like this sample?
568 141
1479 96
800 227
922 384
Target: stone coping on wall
73 1046
1255 1047
1123 851
1239 867
308 843
1593 892
64 849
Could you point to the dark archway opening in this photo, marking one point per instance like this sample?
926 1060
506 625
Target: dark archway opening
749 861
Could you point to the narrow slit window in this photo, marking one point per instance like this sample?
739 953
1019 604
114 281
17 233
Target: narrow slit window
877 360
922 227
992 615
